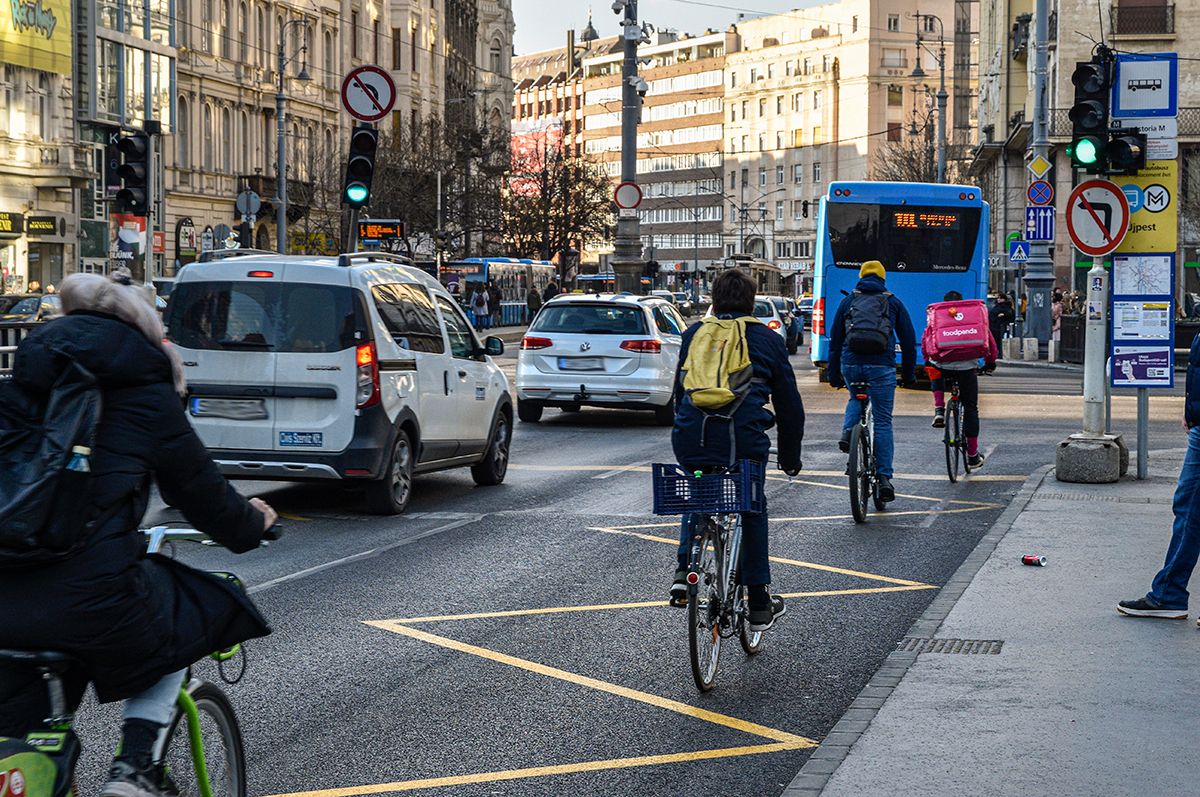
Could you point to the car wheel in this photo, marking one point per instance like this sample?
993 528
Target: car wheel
390 494
529 411
572 408
665 415
491 469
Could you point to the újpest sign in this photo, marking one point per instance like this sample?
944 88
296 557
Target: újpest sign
36 34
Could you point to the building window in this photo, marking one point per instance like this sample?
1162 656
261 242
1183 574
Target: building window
226 141
354 34
807 67
243 33
732 79
375 40
207 132
733 113
261 34
745 143
817 100
248 158
732 180
779 141
796 210
894 58
745 109
226 31
753 74
779 175
779 210
330 76
412 50
893 23
787 68
825 62
798 174
762 175
183 136
895 97
733 146
762 106
854 24
397 49
816 171
893 131
494 58
929 25
745 178
770 71
762 142
779 104
816 138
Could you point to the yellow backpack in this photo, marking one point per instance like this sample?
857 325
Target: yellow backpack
718 371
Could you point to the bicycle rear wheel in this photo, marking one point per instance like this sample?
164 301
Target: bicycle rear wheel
704 613
952 438
859 472
220 741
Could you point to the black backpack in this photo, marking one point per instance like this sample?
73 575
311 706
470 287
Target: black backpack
869 323
45 476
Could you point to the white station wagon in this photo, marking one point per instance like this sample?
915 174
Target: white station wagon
359 368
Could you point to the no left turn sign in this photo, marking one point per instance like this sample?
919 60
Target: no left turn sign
368 93
1097 217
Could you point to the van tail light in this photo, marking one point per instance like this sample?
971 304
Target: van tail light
774 324
528 344
367 361
642 346
818 314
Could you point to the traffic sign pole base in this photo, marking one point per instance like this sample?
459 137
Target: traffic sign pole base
1091 459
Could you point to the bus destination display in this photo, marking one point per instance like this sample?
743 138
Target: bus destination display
918 220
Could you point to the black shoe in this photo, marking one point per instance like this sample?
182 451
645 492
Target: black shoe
679 589
127 780
975 462
761 619
844 442
1144 607
887 492
939 418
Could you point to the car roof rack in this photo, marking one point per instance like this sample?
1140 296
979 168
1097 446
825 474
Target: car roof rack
221 254
349 258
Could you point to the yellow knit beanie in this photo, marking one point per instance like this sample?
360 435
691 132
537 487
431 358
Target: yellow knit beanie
872 268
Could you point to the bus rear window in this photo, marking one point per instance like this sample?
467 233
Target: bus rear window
910 238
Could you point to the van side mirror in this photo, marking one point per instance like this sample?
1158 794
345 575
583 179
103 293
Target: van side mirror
493 346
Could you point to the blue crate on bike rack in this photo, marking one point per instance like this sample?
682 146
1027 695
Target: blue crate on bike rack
680 492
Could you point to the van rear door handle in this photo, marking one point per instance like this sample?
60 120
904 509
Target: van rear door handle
446 382
462 374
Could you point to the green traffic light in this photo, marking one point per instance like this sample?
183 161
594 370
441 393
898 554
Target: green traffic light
356 193
1086 151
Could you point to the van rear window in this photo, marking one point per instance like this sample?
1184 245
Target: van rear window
253 316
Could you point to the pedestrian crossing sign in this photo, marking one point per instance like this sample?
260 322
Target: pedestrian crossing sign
1018 251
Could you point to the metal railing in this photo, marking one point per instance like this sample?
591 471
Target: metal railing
11 336
1143 20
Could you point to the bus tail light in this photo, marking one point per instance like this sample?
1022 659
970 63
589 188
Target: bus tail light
368 376
818 321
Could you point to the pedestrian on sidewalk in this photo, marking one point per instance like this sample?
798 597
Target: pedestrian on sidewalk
550 292
1056 312
495 303
479 306
1168 595
533 303
1000 316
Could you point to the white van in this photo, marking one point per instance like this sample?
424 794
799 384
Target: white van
358 367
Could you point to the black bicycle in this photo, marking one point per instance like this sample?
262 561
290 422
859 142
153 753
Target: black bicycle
864 483
953 438
717 604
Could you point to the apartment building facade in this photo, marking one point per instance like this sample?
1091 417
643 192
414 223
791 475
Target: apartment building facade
817 95
1006 115
680 150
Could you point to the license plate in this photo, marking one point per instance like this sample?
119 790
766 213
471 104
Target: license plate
580 364
232 409
301 439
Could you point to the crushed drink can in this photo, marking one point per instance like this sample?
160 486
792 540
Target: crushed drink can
1033 560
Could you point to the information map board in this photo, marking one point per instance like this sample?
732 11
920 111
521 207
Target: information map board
1143 320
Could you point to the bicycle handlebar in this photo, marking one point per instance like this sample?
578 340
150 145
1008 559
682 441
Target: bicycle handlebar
156 536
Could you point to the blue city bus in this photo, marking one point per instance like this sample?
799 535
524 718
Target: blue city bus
931 238
513 276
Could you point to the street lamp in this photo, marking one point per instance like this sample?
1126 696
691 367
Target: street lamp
281 125
918 72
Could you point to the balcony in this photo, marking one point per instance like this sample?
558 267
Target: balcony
1156 20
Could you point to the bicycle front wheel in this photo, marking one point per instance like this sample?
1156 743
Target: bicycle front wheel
953 440
859 472
704 614
212 751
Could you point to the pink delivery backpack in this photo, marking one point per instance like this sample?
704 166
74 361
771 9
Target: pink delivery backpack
956 331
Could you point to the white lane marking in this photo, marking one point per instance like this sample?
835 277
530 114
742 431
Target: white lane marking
358 557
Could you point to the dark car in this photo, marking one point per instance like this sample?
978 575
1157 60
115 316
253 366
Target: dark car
791 319
804 306
31 309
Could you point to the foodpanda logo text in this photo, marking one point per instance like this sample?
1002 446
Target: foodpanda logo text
955 333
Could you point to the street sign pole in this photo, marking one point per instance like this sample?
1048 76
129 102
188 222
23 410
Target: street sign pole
1039 270
1094 345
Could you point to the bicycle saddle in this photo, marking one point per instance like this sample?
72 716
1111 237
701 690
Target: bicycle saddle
49 659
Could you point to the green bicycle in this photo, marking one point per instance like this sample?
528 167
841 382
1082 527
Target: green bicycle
202 753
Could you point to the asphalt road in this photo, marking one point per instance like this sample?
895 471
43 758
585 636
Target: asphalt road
515 640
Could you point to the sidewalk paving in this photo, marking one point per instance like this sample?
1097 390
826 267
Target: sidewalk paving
1078 700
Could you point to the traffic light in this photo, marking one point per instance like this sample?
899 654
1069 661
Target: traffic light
1089 114
134 171
360 166
1126 152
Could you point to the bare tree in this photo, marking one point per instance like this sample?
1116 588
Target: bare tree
912 159
553 201
318 195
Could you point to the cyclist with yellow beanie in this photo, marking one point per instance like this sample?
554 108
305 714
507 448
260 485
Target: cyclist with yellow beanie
862 348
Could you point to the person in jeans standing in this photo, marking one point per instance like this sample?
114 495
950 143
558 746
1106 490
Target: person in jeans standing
1168 595
862 348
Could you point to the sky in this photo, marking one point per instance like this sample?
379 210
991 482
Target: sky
543 24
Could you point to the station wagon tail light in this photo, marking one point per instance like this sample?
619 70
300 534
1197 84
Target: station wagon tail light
368 376
528 344
642 346
774 324
818 316
261 274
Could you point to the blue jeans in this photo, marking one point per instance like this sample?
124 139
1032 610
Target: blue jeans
1170 585
882 390
754 569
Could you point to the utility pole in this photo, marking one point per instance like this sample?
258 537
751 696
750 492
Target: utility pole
1038 278
281 133
627 250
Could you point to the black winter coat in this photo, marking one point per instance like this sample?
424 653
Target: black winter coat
130 619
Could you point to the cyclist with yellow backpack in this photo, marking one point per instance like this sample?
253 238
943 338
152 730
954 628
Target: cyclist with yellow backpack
731 365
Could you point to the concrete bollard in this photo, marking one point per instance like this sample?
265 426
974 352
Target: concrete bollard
1052 351
1012 348
1030 347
